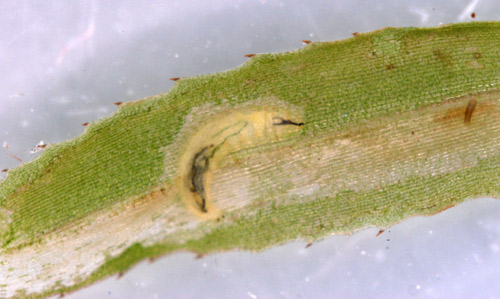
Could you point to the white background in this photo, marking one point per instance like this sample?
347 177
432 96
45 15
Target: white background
65 62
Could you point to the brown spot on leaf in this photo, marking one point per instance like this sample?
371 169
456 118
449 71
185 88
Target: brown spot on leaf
474 65
442 56
390 66
453 113
457 113
469 110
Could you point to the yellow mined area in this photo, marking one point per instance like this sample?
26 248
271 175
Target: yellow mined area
253 155
228 131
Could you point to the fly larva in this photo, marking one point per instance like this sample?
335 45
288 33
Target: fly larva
307 42
174 79
198 168
249 55
470 109
118 103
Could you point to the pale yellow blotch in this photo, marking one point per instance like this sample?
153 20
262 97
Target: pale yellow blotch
228 131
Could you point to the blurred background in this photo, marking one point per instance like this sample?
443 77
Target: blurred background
65 62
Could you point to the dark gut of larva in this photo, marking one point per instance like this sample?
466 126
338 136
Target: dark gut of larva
279 121
198 168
